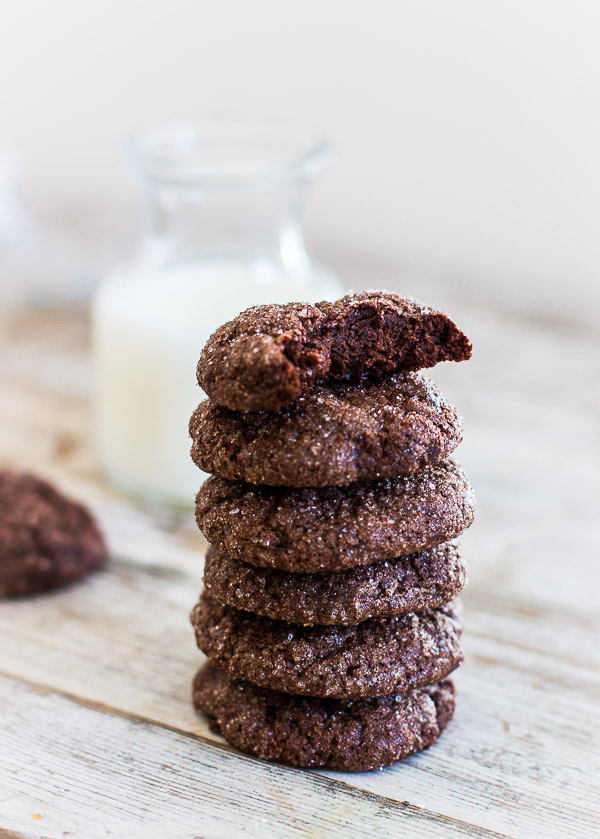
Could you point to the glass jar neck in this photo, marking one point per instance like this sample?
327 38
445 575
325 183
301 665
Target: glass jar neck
187 223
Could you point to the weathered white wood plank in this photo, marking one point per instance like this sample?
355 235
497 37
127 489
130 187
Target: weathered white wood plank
514 760
522 756
71 770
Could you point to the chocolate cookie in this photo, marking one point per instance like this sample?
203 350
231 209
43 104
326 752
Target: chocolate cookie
385 589
374 658
350 736
332 528
46 540
270 355
336 435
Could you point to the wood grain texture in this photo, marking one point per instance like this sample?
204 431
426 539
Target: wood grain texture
97 774
96 679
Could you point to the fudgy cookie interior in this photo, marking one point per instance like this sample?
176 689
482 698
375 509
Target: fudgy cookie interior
270 355
374 340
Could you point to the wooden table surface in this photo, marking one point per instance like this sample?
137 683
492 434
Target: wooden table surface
97 735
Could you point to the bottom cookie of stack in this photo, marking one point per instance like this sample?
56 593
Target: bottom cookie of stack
348 735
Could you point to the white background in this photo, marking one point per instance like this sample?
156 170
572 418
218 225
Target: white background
468 131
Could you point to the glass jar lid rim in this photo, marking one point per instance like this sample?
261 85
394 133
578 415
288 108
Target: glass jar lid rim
221 151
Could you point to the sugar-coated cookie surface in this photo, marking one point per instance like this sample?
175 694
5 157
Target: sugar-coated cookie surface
335 435
384 589
349 736
270 355
46 539
332 528
373 658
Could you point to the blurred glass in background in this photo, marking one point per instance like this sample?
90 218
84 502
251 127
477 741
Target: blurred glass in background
224 205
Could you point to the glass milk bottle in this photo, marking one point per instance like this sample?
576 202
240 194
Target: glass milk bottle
224 204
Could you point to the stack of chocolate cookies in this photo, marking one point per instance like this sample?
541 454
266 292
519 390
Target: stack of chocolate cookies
327 614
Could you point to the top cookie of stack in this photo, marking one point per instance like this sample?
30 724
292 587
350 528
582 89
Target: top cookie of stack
270 355
329 513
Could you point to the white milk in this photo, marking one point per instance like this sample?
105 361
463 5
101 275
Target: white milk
148 331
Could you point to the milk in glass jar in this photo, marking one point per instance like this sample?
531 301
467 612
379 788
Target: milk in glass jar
224 206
